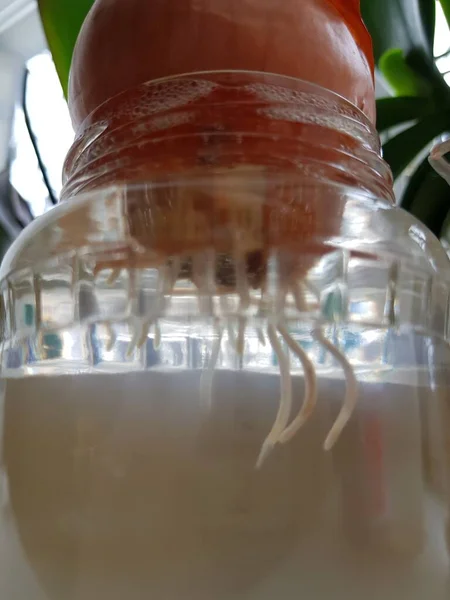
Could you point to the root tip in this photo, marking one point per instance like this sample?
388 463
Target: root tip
266 451
329 443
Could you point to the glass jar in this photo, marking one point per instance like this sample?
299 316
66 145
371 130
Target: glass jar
195 124
225 361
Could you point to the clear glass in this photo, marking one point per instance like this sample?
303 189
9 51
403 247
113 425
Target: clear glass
225 387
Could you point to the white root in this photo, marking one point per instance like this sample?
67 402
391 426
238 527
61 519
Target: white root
203 276
310 400
237 339
207 379
225 308
242 286
299 299
243 291
157 338
132 296
351 394
261 311
282 432
111 337
142 334
260 334
115 273
231 336
110 333
240 339
144 331
137 335
285 407
142 328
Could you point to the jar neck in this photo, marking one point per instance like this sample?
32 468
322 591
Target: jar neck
196 124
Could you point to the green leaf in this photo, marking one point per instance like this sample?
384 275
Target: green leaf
401 150
423 172
427 197
425 67
446 8
395 111
401 77
62 21
401 24
428 12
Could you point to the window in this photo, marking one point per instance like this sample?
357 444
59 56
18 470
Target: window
49 124
442 43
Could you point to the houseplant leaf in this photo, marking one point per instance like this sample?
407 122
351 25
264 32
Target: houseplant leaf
428 12
401 77
446 8
401 150
427 197
62 21
394 111
401 24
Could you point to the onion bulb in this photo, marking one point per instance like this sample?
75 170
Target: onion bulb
124 43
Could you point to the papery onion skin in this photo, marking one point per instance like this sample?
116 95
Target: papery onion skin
125 43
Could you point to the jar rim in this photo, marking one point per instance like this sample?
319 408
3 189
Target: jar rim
223 74
190 121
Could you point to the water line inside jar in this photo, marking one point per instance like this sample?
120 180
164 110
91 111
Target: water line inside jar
94 469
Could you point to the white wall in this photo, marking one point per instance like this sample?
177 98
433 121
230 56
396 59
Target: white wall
20 28
10 78
21 37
